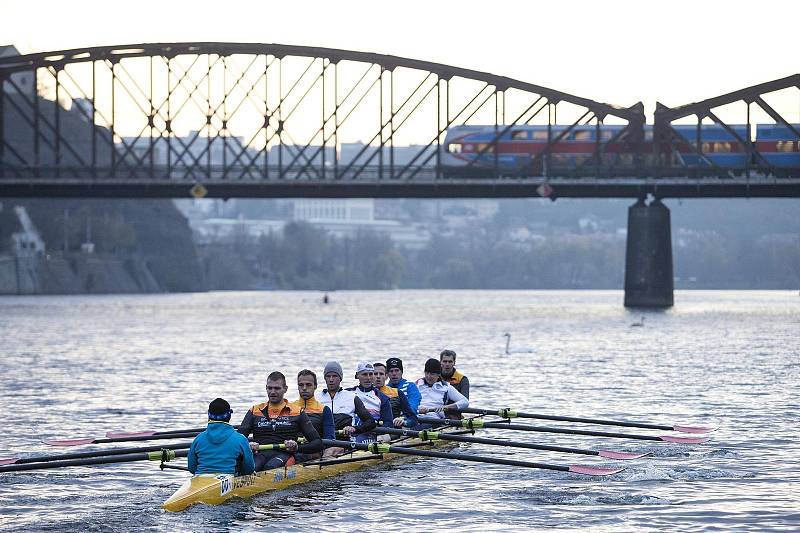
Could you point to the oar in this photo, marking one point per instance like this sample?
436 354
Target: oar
88 455
435 435
510 413
164 453
379 448
150 432
474 423
155 435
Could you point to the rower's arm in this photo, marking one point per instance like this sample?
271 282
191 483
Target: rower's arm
246 426
328 425
465 387
413 395
386 411
313 442
367 422
458 400
405 407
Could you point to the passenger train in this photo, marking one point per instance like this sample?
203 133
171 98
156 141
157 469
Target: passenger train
468 150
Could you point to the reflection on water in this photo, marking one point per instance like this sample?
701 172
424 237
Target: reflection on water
77 366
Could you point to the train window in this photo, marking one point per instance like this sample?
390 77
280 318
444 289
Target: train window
540 135
785 146
454 148
519 135
606 135
707 147
722 147
582 135
488 149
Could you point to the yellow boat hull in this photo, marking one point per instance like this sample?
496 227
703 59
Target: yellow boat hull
214 489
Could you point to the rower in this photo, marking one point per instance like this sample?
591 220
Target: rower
375 401
320 415
220 449
438 396
452 376
394 367
402 413
276 421
347 408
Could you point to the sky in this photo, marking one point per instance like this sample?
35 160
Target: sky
618 52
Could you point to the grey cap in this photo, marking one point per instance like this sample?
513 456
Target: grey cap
333 366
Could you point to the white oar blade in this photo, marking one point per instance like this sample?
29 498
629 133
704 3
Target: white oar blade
621 456
594 470
693 429
8 460
129 434
684 440
68 442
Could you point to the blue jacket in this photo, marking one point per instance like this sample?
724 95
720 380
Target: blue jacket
411 391
220 449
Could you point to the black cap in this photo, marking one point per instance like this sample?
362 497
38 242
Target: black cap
433 366
219 409
394 362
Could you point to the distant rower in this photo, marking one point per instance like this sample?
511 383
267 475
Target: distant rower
375 401
276 421
402 413
438 396
346 407
220 449
394 367
320 415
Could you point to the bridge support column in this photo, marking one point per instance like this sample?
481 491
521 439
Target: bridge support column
648 256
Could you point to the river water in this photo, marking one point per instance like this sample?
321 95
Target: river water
80 366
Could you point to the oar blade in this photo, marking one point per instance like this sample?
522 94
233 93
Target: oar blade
129 434
8 460
594 470
684 440
693 429
68 442
621 456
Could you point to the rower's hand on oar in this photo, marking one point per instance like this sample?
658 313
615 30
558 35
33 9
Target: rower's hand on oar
291 446
254 446
349 430
399 421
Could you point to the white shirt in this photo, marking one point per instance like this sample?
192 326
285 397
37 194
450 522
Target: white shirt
439 394
342 403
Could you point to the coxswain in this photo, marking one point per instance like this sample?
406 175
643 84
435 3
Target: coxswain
438 396
394 367
375 401
320 415
402 413
220 449
347 408
276 421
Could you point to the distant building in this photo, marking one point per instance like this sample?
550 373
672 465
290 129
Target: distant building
347 209
20 82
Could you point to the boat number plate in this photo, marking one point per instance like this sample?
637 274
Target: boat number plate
225 484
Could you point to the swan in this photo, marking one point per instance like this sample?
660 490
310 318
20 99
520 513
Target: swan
522 349
638 324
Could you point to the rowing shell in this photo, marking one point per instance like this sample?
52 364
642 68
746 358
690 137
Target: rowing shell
214 489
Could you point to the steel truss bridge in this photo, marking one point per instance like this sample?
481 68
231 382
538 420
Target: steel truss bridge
268 120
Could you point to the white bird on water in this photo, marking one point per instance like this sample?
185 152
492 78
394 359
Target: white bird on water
638 324
522 349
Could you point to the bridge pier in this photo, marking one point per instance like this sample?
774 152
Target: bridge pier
648 256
